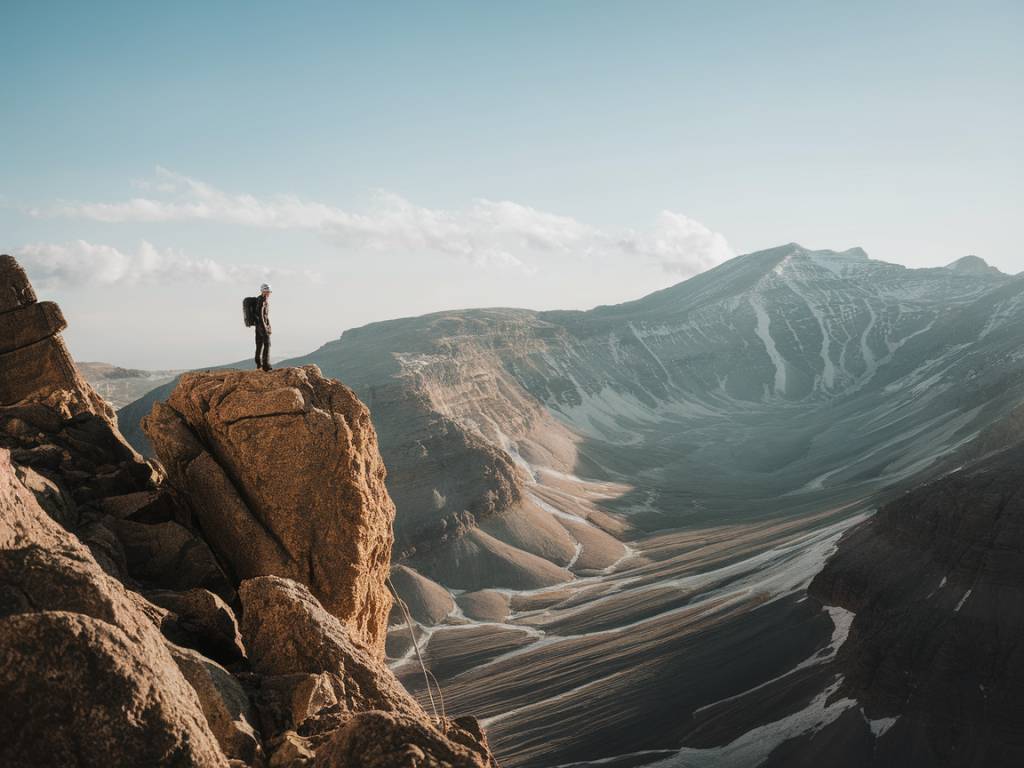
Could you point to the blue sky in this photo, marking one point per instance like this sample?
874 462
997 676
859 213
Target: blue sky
388 159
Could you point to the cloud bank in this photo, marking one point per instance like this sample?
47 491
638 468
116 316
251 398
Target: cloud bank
80 263
486 232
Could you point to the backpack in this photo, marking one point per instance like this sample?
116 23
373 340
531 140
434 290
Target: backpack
250 306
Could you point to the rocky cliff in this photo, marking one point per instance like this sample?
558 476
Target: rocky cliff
936 582
282 474
232 615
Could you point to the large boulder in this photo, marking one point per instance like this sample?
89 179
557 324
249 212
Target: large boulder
78 691
200 619
287 632
284 477
385 739
230 714
169 556
366 718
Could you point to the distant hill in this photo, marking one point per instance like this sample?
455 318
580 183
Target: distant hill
120 386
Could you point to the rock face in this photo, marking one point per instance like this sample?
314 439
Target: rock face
82 657
37 366
284 477
936 579
365 717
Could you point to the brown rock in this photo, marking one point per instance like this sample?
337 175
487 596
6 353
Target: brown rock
292 751
285 478
170 556
71 681
50 496
201 620
35 366
105 547
287 632
15 288
27 325
141 506
228 710
287 701
79 650
387 739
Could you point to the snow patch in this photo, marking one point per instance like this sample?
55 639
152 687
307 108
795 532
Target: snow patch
763 331
963 600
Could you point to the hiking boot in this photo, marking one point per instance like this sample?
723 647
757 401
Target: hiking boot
268 367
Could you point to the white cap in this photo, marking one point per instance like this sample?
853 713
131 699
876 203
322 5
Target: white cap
265 287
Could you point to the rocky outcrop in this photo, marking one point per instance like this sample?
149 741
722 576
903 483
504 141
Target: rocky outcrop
37 366
936 579
119 643
340 699
228 710
283 477
81 658
384 739
199 619
71 681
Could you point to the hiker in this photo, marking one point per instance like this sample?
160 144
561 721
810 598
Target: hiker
263 328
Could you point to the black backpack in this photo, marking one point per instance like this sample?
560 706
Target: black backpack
250 306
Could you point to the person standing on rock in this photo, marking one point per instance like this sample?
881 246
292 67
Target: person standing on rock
263 328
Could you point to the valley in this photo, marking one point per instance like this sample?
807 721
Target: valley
610 519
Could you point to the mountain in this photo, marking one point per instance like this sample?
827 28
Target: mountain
936 583
973 265
121 386
626 505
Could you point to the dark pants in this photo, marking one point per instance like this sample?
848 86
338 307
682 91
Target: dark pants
262 348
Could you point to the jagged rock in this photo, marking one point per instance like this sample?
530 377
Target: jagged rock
141 506
29 324
170 556
15 288
287 701
287 632
79 650
200 619
385 739
27 419
228 710
284 476
105 547
292 751
49 495
428 602
72 681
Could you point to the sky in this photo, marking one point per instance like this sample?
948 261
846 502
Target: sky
158 161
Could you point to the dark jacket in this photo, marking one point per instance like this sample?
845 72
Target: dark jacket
263 314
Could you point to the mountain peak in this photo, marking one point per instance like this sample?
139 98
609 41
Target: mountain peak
973 265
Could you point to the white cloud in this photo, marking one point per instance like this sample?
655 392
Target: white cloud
80 263
487 232
682 245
